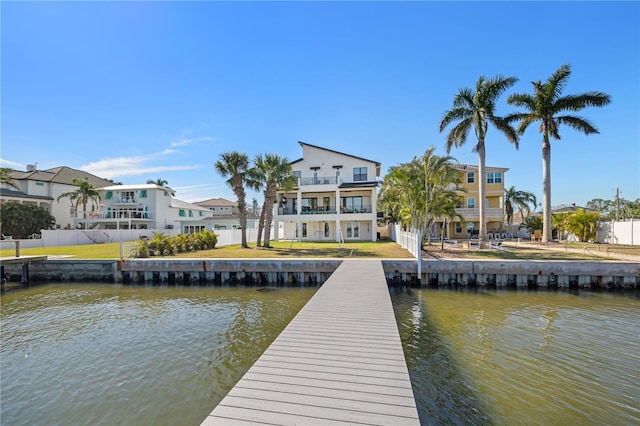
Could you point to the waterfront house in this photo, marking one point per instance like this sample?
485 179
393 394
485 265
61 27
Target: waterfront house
43 187
140 206
334 199
469 203
223 214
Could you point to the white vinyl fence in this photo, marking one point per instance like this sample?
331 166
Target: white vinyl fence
408 240
621 232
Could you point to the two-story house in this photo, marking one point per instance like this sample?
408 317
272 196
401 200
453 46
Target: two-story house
43 188
469 201
334 199
141 206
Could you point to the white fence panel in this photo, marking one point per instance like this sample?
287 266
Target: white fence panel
622 232
408 240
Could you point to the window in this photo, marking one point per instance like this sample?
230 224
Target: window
326 203
143 193
471 203
109 195
359 174
297 175
127 196
353 230
304 230
350 204
39 184
200 213
494 177
471 177
182 213
326 230
458 228
190 213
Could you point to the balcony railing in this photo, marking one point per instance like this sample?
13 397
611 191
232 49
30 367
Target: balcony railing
325 180
306 210
491 213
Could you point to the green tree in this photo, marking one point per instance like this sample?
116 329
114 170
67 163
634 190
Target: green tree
235 167
582 224
83 193
160 182
271 172
5 177
476 109
532 223
547 105
419 192
521 200
21 221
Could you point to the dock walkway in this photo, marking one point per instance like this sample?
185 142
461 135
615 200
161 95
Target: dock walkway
339 361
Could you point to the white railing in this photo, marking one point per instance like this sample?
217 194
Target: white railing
491 213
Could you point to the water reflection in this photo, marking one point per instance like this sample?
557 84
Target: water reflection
110 354
522 357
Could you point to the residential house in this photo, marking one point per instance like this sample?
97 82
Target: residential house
334 199
43 187
140 206
469 203
223 215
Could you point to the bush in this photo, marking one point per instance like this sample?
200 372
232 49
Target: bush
162 245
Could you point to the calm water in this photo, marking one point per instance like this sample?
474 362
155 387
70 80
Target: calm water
101 354
507 358
74 354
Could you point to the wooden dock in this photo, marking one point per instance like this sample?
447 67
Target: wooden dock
339 361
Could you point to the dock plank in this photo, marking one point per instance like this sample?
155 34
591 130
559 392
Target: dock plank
339 361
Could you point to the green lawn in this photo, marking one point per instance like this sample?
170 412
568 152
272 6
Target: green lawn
378 249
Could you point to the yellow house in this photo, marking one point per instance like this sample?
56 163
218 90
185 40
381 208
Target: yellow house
469 202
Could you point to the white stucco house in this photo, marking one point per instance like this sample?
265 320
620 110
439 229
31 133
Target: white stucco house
223 215
334 200
139 206
43 187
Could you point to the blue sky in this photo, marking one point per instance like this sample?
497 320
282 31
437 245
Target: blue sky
132 91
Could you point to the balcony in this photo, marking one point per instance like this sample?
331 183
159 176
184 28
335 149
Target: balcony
325 180
474 213
325 210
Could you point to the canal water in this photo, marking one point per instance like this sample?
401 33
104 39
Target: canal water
106 354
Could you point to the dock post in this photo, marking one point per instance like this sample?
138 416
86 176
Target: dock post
25 273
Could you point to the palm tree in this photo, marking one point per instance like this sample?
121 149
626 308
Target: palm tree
545 105
84 193
235 166
274 172
5 177
476 109
522 200
160 182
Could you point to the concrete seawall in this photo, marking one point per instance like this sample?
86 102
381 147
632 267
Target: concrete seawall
482 273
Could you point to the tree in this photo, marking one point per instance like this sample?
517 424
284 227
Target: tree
5 177
235 166
160 182
419 192
522 200
547 106
84 193
272 172
582 224
21 221
476 109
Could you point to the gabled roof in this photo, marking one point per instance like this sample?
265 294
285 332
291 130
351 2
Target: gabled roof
12 193
216 202
183 204
133 187
302 144
474 168
62 175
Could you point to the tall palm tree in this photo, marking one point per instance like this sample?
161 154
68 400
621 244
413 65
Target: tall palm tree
5 177
476 109
235 166
522 200
160 182
84 193
547 105
273 172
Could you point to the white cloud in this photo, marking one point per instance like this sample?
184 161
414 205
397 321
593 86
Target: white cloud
11 164
111 168
187 141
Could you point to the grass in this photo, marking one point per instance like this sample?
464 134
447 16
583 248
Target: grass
379 249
